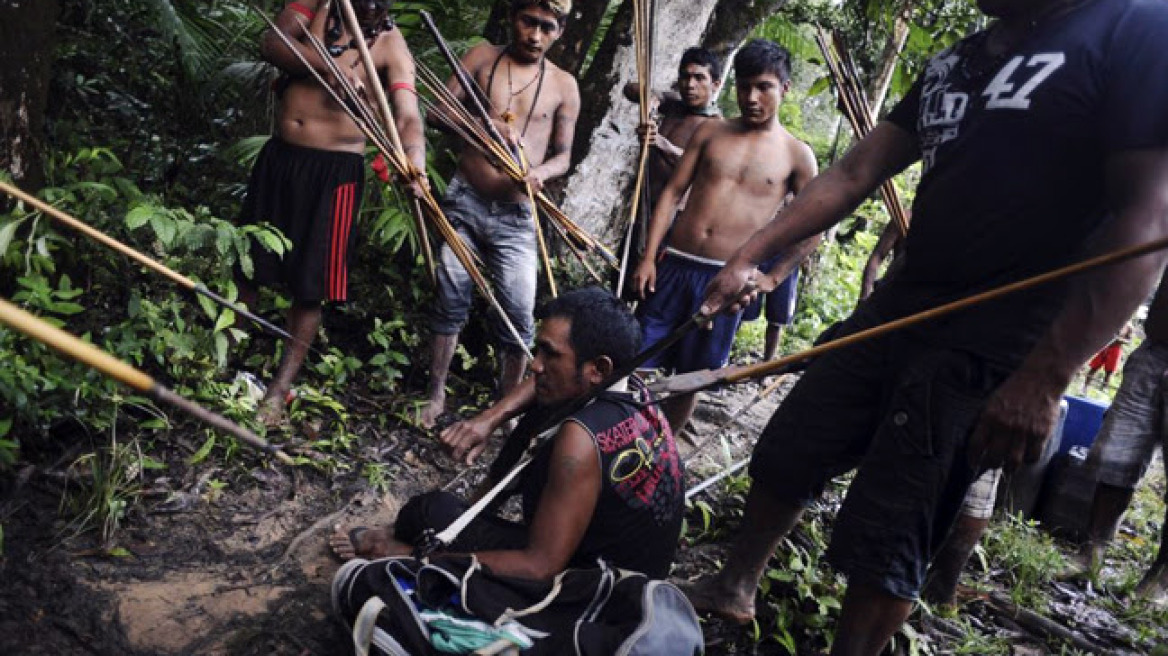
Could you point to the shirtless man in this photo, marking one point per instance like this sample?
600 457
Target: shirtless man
536 103
308 180
740 170
682 112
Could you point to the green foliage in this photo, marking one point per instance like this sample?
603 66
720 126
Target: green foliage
1024 557
110 484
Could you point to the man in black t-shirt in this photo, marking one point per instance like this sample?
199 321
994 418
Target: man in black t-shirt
608 485
1044 140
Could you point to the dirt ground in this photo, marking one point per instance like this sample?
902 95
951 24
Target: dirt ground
243 568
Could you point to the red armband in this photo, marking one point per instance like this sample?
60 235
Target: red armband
302 10
406 86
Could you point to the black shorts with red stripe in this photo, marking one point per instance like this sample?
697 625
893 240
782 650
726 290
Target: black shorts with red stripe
313 197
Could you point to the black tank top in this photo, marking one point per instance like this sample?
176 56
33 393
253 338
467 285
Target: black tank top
637 521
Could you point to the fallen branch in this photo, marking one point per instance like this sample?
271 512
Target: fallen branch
1035 623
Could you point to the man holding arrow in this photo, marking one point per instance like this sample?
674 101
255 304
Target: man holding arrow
535 103
1043 141
309 179
682 112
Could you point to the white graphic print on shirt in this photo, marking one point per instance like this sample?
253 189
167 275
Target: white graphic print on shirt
944 107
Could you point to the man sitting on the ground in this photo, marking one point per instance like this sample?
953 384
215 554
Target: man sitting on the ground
608 485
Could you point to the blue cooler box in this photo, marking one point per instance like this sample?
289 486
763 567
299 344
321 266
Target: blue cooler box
1084 417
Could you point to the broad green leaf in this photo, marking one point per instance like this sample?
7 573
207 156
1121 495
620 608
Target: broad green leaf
819 86
226 318
208 306
7 232
66 308
164 227
221 346
139 216
203 451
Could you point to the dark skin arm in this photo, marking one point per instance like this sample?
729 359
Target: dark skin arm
471 61
645 277
559 153
399 69
292 24
806 168
466 440
564 512
1019 416
825 201
889 238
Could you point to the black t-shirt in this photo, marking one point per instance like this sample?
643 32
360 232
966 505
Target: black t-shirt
637 521
1014 150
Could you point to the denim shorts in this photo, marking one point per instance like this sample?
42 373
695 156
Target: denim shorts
900 411
1134 424
503 237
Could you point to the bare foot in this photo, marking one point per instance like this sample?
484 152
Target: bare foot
434 408
710 595
271 411
360 542
1082 566
1154 586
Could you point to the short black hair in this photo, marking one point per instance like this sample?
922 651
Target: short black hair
760 56
702 57
601 325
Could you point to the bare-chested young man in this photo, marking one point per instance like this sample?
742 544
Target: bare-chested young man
681 113
739 172
309 177
536 103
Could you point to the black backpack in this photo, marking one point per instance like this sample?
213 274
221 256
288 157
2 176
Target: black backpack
391 605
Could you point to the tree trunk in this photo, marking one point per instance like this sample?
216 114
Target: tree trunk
606 139
26 58
878 86
572 48
732 22
498 29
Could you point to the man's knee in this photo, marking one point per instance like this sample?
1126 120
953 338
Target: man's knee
433 510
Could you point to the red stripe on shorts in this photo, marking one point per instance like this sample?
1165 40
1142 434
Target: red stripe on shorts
335 232
347 224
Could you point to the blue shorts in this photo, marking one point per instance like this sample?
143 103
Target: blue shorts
780 303
681 287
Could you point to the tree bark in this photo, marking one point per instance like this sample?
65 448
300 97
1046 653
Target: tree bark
26 59
732 22
606 140
878 86
498 29
572 48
